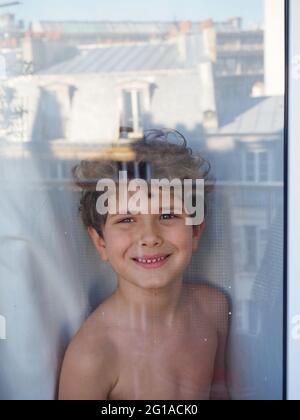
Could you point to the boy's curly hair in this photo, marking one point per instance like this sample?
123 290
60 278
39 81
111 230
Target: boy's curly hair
167 159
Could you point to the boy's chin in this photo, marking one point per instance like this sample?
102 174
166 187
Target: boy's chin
155 282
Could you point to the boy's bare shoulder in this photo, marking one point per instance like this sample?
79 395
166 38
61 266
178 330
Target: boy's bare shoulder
212 302
90 356
207 294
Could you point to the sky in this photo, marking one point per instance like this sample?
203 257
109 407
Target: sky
165 10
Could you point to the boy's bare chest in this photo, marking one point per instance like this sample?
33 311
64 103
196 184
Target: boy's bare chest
174 366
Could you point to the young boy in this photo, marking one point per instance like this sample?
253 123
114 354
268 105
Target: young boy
156 337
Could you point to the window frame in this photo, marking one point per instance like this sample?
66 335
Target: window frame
142 86
292 202
135 112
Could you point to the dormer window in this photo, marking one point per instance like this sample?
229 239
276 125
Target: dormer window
134 103
257 166
132 109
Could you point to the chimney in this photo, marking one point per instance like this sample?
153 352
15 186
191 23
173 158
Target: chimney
209 116
258 90
210 120
209 39
236 23
182 46
207 24
185 26
33 51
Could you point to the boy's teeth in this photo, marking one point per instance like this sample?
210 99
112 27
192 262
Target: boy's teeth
151 261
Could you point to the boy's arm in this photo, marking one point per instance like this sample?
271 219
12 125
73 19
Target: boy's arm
87 374
219 390
216 308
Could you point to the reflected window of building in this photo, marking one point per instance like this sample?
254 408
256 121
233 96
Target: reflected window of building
251 242
257 166
132 109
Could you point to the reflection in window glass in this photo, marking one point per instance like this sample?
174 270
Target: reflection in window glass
73 91
132 110
251 167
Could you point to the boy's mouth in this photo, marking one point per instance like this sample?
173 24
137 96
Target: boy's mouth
154 262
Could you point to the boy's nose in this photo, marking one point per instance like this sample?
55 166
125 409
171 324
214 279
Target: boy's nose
150 237
150 241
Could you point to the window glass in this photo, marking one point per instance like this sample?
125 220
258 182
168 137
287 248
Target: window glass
82 83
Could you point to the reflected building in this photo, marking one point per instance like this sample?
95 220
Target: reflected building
102 32
247 154
205 79
84 80
238 55
196 77
78 105
11 38
11 31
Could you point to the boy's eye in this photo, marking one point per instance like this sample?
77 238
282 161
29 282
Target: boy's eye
165 216
172 215
125 220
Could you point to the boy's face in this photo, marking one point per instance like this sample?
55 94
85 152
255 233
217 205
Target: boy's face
127 238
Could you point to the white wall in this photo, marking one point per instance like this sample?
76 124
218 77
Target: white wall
274 47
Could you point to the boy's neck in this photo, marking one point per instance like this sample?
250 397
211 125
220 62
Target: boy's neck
146 307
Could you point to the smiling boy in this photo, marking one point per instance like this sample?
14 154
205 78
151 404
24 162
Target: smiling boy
156 337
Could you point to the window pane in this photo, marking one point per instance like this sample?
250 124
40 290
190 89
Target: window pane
250 167
179 91
127 109
251 247
263 166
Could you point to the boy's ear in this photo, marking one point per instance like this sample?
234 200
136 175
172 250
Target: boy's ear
197 233
99 243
